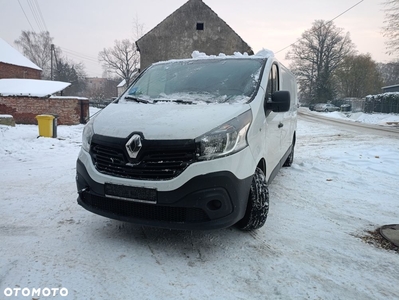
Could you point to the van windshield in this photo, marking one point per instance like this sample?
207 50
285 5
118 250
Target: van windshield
191 81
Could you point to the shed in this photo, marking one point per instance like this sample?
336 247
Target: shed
24 99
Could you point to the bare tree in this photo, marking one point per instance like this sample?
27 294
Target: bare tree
316 56
37 47
358 76
391 28
123 59
389 72
138 28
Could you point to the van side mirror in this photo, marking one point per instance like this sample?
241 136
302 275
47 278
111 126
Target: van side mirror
281 101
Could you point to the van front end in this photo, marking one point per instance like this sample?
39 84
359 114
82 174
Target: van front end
206 194
191 144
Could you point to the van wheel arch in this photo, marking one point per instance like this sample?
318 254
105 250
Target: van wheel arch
290 158
294 139
262 165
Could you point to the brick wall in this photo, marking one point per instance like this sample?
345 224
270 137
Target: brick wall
70 110
12 71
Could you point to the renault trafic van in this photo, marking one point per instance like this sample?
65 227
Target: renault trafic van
192 144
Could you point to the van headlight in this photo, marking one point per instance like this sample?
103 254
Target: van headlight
87 135
226 139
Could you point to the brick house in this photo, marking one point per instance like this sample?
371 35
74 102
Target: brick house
23 95
194 26
14 65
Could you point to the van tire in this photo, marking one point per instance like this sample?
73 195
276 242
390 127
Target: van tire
290 159
258 203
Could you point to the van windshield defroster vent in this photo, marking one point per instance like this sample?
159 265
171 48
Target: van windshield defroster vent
157 160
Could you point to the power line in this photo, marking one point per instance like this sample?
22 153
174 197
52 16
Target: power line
326 24
26 16
87 60
41 15
346 10
41 24
34 14
81 55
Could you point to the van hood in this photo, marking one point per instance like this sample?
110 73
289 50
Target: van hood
164 121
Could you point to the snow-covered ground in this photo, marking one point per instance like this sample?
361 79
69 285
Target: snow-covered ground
375 118
341 185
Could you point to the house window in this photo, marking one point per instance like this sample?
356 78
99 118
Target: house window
200 26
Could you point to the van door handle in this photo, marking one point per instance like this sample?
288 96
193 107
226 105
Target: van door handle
280 125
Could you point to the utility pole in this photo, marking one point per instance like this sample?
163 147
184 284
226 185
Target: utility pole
52 51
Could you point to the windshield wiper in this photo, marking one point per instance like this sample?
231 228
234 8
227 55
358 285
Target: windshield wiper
137 99
179 101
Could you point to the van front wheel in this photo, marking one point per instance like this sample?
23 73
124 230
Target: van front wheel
258 203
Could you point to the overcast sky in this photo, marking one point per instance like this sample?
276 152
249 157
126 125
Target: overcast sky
82 28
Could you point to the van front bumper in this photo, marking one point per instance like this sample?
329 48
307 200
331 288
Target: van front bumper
211 201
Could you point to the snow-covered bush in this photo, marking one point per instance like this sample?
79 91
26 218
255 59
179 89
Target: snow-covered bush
383 103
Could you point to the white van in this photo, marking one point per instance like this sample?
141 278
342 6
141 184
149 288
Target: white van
192 144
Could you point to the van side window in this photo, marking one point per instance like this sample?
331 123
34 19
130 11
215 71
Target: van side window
273 84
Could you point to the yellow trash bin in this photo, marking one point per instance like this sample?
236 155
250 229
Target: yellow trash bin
45 123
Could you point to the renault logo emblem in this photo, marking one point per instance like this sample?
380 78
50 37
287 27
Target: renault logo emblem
133 146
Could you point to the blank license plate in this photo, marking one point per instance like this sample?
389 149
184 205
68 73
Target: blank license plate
137 194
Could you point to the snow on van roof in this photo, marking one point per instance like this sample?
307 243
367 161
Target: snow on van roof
201 55
11 56
30 87
264 53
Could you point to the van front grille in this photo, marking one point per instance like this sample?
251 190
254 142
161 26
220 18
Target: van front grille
157 160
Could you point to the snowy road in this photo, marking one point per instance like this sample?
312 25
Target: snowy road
324 118
341 184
